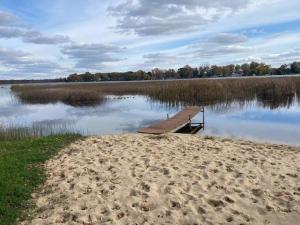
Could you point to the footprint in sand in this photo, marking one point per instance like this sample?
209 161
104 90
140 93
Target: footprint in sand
215 203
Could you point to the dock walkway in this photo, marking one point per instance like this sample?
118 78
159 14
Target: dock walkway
174 123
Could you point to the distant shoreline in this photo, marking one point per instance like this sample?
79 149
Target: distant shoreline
63 81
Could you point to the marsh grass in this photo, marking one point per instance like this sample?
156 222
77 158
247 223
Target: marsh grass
36 130
69 96
270 92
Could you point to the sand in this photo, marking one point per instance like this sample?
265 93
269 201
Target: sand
170 179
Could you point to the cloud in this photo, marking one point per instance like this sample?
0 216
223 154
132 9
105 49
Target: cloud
93 56
189 56
228 39
217 46
32 36
160 59
275 59
14 62
8 19
11 32
38 38
158 17
221 51
12 56
284 57
12 27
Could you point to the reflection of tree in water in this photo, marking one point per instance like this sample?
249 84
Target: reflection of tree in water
274 102
266 99
229 106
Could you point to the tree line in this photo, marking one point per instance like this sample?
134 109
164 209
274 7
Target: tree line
58 80
206 71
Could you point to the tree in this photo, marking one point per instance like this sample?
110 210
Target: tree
295 67
283 69
186 72
171 74
253 66
157 74
216 70
246 69
262 69
228 70
195 73
238 69
74 78
202 72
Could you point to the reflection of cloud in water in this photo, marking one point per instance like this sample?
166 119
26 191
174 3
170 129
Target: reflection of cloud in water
55 122
13 111
90 111
276 116
133 127
120 115
230 107
253 130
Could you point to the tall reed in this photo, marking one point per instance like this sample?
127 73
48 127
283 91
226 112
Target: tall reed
11 132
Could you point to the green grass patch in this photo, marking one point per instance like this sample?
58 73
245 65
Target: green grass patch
21 172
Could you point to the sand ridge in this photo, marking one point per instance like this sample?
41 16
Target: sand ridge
170 179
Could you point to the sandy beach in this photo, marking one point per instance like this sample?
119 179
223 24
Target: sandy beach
170 179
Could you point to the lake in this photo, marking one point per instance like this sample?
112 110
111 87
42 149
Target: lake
248 120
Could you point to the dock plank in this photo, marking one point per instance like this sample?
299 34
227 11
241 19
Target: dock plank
174 123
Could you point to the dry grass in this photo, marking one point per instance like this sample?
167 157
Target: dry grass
271 92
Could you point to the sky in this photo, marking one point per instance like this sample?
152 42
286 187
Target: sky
54 38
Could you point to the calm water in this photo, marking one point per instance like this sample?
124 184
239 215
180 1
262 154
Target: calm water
127 114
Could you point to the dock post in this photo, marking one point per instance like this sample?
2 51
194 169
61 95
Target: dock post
203 118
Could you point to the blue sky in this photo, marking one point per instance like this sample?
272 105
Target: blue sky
41 39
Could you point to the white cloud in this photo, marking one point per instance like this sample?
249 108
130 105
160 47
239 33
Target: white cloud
140 34
8 19
171 16
227 38
93 56
12 27
32 36
18 65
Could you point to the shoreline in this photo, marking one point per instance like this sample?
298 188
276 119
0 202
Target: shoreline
170 179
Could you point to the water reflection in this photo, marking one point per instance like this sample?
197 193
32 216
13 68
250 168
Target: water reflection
248 119
256 123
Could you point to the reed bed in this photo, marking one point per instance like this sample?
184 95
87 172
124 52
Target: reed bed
270 92
36 130
73 97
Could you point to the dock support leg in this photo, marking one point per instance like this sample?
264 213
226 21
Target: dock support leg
203 118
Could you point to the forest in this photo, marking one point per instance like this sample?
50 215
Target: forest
188 72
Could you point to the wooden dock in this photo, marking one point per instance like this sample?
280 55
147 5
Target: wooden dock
182 121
